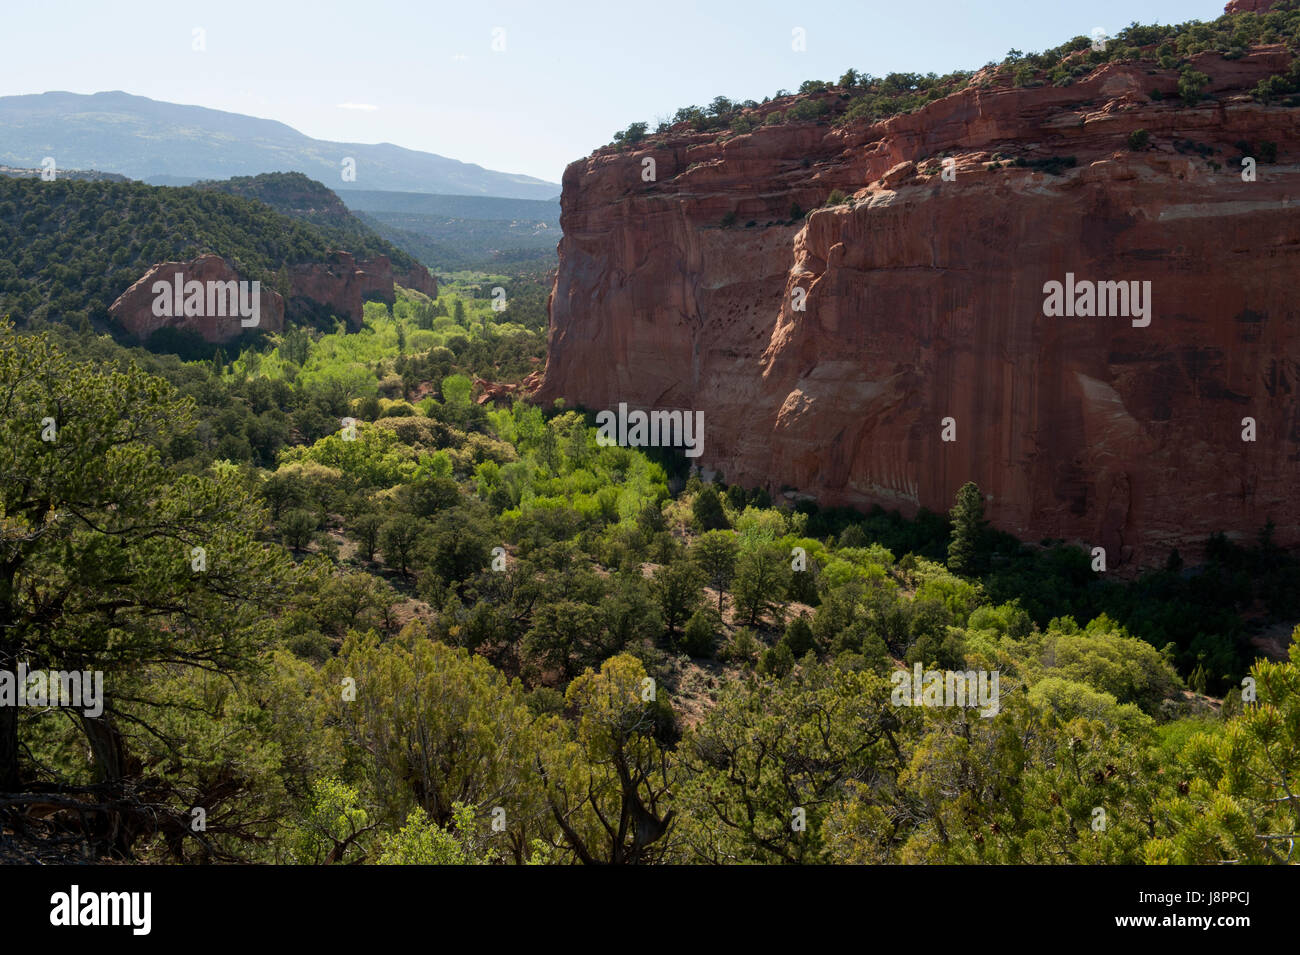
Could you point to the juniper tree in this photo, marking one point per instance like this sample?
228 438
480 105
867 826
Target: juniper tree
110 559
967 529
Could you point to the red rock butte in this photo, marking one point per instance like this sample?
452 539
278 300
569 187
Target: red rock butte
924 301
341 285
134 308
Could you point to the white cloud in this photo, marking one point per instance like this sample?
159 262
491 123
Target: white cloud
362 106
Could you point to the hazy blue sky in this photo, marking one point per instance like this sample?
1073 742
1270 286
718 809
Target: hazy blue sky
424 74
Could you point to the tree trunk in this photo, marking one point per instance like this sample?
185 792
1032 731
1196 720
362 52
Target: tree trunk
108 749
9 779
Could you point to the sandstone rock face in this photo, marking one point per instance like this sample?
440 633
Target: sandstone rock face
499 394
924 301
136 308
419 279
342 285
1249 6
376 279
502 394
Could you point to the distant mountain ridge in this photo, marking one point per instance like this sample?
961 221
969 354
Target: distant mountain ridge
153 140
457 207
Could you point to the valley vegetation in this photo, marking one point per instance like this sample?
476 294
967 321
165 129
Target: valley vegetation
432 630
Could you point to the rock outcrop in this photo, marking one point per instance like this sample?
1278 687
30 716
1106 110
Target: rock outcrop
418 279
147 306
923 305
341 286
502 394
1249 6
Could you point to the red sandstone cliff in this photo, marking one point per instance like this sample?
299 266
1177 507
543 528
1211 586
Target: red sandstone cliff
341 285
924 300
136 308
1249 6
418 279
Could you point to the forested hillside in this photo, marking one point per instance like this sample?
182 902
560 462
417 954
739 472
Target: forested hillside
69 248
298 197
449 244
454 233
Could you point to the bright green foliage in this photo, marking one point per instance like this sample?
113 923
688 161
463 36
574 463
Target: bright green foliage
329 829
1103 657
369 458
420 842
559 624
1240 802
